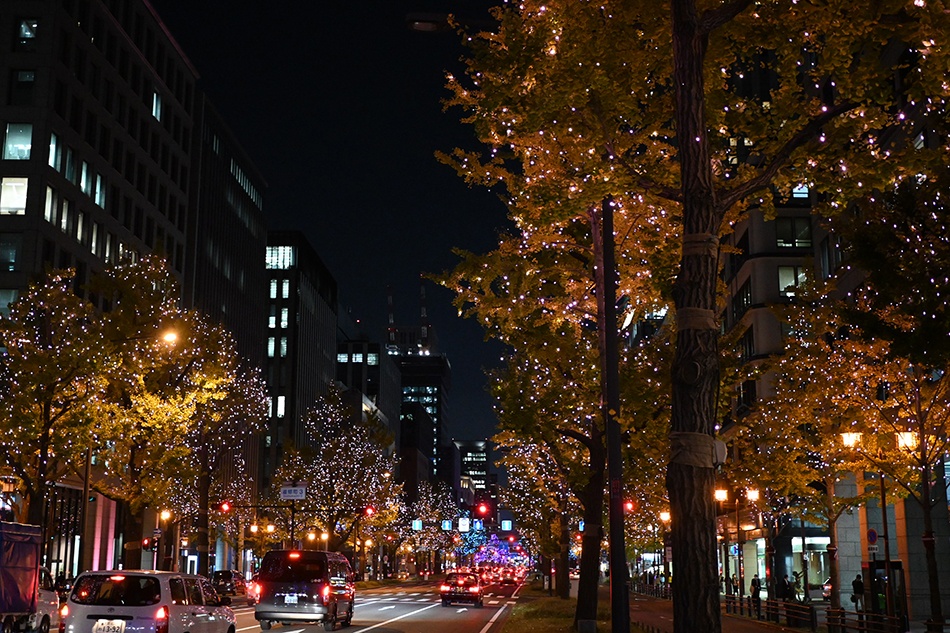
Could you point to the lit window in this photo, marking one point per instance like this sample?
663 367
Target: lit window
70 166
64 217
270 407
7 296
18 141
285 289
343 358
54 152
372 359
13 195
271 346
100 193
273 288
26 33
94 239
281 406
357 358
280 257
80 226
49 213
272 318
157 105
9 251
107 249
789 279
85 179
284 317
283 346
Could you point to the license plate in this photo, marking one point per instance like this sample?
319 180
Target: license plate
109 626
288 599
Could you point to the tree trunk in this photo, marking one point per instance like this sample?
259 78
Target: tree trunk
564 559
132 537
933 577
695 374
592 500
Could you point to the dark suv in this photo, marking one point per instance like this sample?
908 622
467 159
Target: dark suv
230 582
461 587
299 586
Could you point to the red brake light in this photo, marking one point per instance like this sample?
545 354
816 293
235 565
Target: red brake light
474 589
161 619
294 555
444 588
116 578
63 612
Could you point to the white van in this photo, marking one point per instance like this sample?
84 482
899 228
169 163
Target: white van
144 601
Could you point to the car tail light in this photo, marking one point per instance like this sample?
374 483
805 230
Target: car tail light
445 588
325 593
63 612
161 620
474 589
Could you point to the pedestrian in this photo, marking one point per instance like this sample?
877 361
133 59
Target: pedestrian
722 583
755 591
857 593
784 588
735 585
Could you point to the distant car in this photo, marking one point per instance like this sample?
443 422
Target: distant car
144 601
826 589
230 582
298 586
461 588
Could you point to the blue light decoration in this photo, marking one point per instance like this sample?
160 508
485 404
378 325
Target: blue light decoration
417 524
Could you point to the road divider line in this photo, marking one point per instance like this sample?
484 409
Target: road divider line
404 615
493 618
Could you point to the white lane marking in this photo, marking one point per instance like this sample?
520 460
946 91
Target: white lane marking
400 617
492 621
387 608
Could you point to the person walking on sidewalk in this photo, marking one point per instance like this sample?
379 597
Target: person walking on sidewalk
857 593
755 591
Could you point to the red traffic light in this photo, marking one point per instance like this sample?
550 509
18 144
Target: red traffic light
629 506
224 506
482 508
369 511
146 544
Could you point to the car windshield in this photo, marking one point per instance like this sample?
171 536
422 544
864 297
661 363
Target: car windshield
465 580
285 567
117 590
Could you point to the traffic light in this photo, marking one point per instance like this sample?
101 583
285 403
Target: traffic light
629 506
146 544
482 509
369 511
224 507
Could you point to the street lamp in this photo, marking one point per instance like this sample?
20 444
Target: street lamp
751 496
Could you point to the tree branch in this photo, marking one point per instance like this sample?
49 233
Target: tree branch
714 18
765 177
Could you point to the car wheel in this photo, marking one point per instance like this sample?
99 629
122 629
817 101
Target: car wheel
445 602
329 622
478 605
265 625
44 625
7 626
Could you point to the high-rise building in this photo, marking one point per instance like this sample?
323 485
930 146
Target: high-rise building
301 343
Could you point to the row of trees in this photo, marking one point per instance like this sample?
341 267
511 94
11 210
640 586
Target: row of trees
686 115
143 400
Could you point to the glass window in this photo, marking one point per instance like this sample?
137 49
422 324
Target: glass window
80 226
64 217
7 296
271 343
17 141
793 232
343 358
789 279
21 87
49 208
13 195
85 178
26 33
54 151
70 167
285 289
272 318
157 105
372 359
177 587
100 192
273 288
10 251
94 239
284 317
283 346
281 406
281 257
357 358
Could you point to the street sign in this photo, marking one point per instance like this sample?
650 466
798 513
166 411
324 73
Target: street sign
872 549
293 493
580 526
464 524
157 533
447 525
417 524
506 525
479 524
872 536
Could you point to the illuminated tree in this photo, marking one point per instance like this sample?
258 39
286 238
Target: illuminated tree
49 381
345 468
699 109
433 505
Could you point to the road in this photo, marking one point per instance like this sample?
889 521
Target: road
410 608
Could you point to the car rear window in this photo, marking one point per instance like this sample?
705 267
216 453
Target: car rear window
466 580
286 567
117 590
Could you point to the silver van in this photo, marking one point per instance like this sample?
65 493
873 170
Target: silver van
144 601
305 586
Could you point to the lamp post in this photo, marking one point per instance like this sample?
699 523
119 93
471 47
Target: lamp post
751 496
665 519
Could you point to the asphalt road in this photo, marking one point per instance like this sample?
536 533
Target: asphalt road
410 608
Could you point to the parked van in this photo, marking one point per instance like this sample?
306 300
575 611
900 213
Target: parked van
144 601
305 586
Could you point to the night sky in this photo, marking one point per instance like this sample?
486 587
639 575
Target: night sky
338 105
